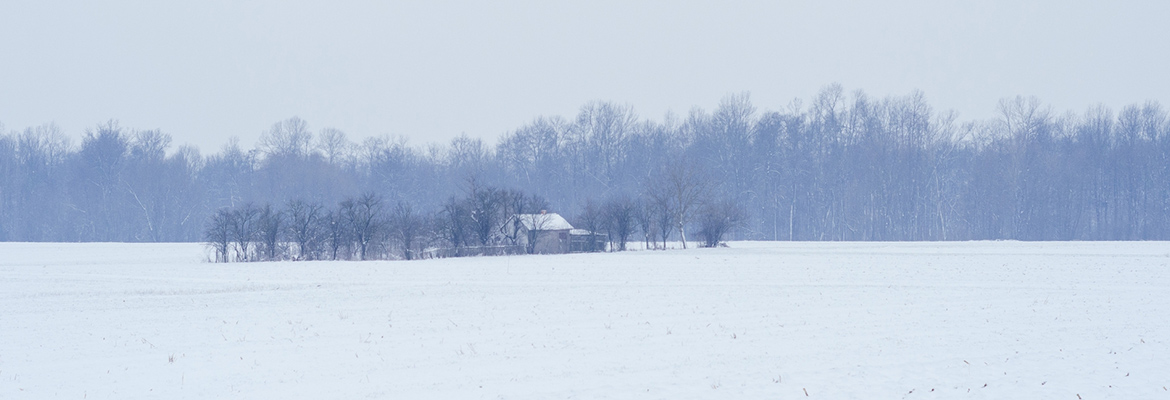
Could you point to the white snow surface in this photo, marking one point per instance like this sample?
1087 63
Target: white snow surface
756 320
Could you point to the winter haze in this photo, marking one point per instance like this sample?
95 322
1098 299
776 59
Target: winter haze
232 199
204 71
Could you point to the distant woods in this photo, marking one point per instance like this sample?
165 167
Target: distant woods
839 167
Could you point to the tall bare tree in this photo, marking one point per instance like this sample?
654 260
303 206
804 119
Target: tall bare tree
619 214
288 138
678 190
485 210
269 229
244 230
304 227
364 215
337 234
454 224
406 229
219 233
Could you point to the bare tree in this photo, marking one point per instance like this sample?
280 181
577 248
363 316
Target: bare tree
244 230
716 219
675 193
601 129
337 234
685 186
619 214
8 166
218 233
513 204
406 228
454 224
364 216
99 190
591 219
304 227
269 227
663 219
333 144
485 206
288 138
644 217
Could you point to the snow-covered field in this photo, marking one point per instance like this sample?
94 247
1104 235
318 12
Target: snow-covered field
757 320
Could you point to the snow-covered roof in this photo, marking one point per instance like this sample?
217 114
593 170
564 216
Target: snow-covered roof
544 222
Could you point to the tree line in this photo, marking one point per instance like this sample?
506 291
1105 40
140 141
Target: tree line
841 166
481 221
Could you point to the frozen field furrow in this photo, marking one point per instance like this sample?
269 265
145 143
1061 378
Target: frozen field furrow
757 320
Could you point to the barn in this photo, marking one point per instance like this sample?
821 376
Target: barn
550 233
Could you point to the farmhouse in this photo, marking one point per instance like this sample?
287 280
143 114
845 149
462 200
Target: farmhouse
550 233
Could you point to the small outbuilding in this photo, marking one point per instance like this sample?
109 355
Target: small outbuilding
550 233
583 241
544 233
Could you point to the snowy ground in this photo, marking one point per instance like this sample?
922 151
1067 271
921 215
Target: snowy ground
757 320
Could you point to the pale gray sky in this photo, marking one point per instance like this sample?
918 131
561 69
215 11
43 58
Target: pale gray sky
206 70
